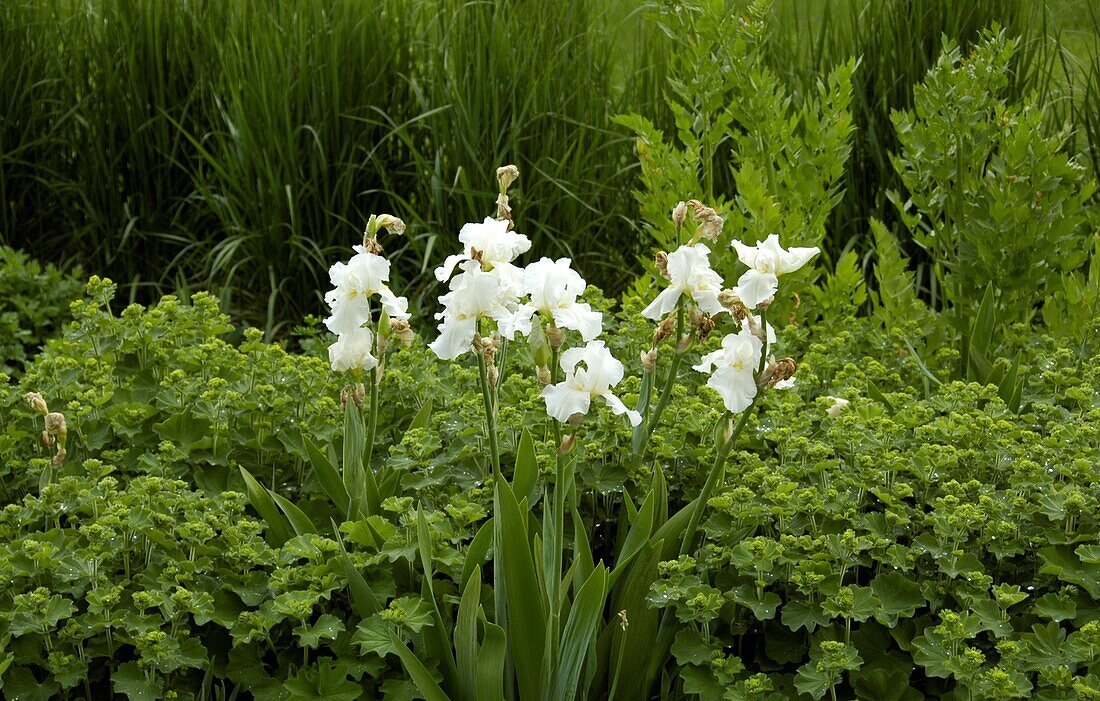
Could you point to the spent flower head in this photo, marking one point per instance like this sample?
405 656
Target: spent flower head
709 224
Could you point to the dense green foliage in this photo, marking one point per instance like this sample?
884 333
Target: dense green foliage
930 534
160 147
34 303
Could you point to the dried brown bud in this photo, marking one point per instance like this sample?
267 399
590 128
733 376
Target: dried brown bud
662 263
542 373
504 210
649 359
56 433
506 175
685 343
679 214
556 337
664 329
709 223
733 304
492 375
391 224
356 393
37 402
756 328
703 324
777 372
371 245
623 623
401 329
569 441
55 423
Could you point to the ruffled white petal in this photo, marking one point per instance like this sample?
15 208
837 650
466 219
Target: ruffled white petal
353 350
456 336
707 300
563 400
663 304
755 287
733 367
746 254
396 307
736 387
444 272
689 272
795 258
602 370
518 322
618 408
578 317
348 312
589 372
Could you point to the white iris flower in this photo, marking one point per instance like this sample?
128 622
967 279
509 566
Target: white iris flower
689 273
354 283
767 260
732 369
474 294
554 287
353 351
574 394
495 247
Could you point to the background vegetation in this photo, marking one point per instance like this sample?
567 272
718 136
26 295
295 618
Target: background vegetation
239 146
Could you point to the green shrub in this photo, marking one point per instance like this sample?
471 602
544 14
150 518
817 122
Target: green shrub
908 548
990 196
34 304
742 144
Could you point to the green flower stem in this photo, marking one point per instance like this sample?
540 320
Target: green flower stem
718 470
490 413
618 667
663 639
666 391
714 477
372 420
554 566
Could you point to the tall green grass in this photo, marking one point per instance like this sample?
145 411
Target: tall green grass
241 145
